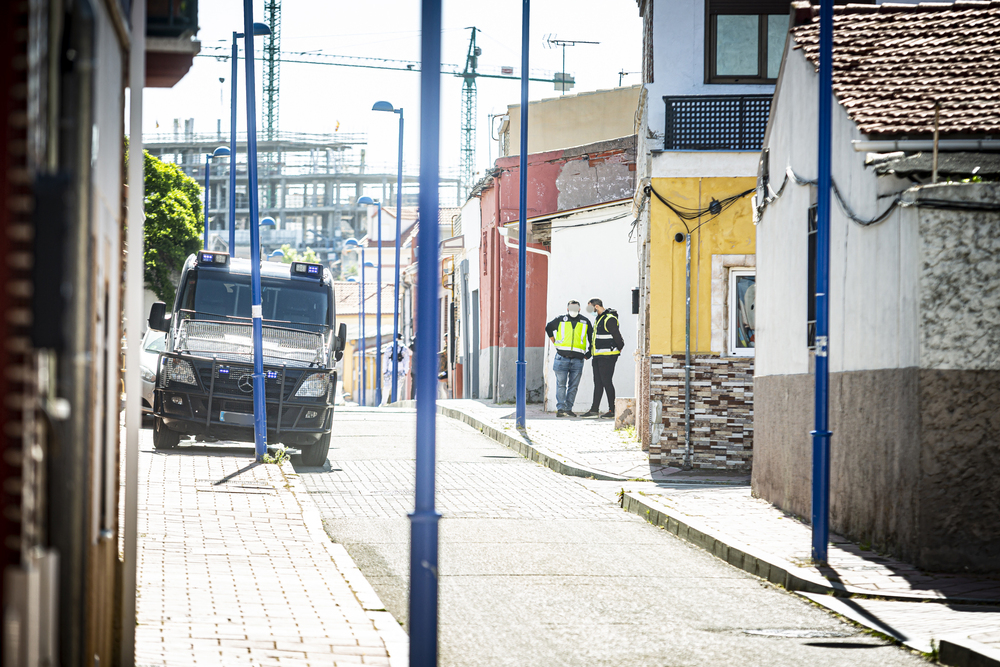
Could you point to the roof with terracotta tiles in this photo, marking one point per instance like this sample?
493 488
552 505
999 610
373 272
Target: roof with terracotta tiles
893 62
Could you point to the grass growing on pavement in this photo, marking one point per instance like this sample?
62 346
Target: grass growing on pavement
280 456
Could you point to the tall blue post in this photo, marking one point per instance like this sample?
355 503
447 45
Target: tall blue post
395 291
208 167
364 378
259 402
522 227
424 518
232 153
821 434
378 315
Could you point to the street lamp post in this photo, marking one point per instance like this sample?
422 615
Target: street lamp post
259 402
522 227
259 29
218 152
424 518
353 279
378 304
385 106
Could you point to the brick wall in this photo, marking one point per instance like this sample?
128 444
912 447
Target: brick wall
721 411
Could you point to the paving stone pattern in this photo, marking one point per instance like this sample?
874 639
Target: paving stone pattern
493 489
721 409
232 575
588 443
755 524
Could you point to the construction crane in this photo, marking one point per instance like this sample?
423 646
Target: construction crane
272 66
467 163
469 74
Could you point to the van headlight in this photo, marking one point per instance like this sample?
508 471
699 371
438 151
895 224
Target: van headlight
147 375
314 385
179 370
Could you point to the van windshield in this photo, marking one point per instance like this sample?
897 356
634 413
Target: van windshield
228 295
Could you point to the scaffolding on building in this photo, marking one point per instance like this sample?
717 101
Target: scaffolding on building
310 187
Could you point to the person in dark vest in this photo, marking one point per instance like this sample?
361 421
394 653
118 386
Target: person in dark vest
607 347
572 336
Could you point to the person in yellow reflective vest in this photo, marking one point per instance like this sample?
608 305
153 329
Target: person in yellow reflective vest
572 335
607 344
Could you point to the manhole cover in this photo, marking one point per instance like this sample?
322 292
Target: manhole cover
796 633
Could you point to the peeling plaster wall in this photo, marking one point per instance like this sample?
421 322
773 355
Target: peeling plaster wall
557 180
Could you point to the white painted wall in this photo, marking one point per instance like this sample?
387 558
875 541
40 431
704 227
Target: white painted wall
587 262
704 164
679 60
873 270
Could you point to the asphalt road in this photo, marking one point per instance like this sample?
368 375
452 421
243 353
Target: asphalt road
537 569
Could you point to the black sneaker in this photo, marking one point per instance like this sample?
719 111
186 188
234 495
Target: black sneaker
560 413
570 413
608 415
591 413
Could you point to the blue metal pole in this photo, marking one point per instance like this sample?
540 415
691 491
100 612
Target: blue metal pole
424 518
378 315
364 378
259 403
232 154
821 434
395 292
208 166
522 228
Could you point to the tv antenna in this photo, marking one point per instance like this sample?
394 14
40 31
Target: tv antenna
562 78
622 74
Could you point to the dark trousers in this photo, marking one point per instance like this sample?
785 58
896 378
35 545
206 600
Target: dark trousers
604 372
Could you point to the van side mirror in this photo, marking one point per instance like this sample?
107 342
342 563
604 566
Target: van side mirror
158 318
341 342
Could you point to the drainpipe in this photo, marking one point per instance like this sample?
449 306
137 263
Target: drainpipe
688 454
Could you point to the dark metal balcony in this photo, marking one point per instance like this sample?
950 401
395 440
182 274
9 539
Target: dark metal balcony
715 123
171 18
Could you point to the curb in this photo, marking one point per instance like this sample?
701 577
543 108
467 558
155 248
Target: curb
766 566
520 445
396 641
959 651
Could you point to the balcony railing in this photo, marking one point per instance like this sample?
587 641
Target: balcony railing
171 18
716 123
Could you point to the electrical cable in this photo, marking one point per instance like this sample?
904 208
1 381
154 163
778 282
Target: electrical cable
715 208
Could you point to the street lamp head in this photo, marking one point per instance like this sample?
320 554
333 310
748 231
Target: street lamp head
220 151
369 265
261 29
366 200
351 243
383 106
352 279
268 222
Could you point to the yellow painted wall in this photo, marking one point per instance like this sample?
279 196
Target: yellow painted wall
574 120
350 370
730 233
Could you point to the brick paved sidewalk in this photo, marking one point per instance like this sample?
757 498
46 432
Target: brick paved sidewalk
872 589
242 573
588 444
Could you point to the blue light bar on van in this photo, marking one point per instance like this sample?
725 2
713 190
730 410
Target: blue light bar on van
306 270
213 258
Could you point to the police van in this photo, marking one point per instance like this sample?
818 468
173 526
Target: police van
204 376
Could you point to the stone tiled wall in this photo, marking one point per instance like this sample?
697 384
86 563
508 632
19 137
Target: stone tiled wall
721 411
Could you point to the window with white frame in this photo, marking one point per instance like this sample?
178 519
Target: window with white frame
742 320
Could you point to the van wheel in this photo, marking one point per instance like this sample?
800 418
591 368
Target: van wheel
163 437
314 456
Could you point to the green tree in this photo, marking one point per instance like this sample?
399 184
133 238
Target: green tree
292 255
174 225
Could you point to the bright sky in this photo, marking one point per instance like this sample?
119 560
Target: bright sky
316 98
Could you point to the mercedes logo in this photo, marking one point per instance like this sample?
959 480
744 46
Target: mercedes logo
245 383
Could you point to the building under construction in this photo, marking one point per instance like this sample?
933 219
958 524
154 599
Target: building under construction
308 183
